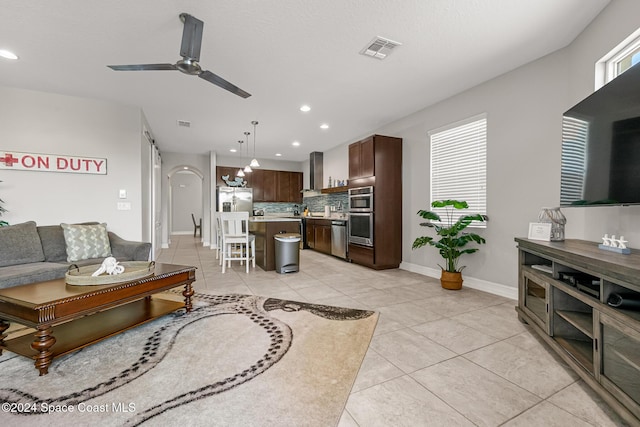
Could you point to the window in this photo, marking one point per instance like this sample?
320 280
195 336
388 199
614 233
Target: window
623 57
459 164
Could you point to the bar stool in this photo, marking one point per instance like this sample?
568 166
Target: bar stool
237 243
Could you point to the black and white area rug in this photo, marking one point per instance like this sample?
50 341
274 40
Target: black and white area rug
235 360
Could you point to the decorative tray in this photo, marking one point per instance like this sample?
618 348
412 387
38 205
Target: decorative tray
82 276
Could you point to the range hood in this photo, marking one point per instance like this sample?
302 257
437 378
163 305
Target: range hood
315 175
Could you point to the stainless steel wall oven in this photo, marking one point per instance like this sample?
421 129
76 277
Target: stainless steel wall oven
361 199
361 228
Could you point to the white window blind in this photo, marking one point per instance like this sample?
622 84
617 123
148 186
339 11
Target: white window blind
459 165
575 134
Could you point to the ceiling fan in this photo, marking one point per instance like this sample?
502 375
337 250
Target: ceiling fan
190 52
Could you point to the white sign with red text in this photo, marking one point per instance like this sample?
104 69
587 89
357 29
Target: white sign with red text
13 160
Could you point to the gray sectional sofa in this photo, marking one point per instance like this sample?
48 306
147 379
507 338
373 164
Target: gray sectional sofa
31 253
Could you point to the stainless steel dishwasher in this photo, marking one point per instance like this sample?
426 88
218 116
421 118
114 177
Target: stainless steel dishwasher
339 238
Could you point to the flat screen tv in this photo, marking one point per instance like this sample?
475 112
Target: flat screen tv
601 146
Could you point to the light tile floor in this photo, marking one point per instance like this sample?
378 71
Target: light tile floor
454 358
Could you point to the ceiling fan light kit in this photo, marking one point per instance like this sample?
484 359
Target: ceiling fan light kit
190 52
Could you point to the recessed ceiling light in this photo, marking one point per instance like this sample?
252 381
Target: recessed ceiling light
295 143
185 168
7 54
278 155
233 150
305 108
324 126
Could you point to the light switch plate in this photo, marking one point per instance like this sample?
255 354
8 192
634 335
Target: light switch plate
124 206
123 194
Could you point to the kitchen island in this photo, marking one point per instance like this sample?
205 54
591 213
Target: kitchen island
264 228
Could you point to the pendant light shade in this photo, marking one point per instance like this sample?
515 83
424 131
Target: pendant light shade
240 171
254 163
247 168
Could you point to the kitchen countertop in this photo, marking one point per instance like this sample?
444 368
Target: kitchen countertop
335 215
274 218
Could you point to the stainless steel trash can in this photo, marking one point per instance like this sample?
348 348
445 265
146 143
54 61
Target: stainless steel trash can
287 252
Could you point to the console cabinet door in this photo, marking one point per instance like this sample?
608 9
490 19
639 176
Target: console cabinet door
620 361
536 299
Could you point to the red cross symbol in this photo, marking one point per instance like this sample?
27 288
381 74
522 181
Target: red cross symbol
8 159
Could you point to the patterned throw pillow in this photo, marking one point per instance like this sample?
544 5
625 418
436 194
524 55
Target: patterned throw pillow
86 241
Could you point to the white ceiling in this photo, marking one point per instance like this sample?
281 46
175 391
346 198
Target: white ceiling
285 53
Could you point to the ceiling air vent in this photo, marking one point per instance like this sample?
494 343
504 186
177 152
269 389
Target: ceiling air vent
184 123
379 48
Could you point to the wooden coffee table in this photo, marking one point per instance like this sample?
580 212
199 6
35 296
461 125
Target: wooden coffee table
68 318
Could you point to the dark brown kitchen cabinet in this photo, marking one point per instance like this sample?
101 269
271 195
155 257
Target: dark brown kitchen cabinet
311 234
265 242
318 233
267 185
362 159
283 186
323 238
295 191
377 161
289 186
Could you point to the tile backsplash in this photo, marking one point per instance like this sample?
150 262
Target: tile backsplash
315 204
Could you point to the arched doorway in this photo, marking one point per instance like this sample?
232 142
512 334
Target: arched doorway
185 198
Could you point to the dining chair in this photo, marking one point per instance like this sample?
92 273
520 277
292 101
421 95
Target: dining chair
197 227
237 243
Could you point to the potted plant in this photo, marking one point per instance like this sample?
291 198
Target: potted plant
453 239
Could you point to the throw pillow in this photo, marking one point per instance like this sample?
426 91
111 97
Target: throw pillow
20 244
86 241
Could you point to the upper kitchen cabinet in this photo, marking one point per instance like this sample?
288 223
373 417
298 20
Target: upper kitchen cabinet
289 187
362 158
267 185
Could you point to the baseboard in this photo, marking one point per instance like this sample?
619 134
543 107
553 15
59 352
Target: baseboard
470 282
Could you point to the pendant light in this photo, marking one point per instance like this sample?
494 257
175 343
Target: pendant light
247 168
254 163
240 172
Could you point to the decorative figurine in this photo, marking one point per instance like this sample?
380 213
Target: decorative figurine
237 182
614 245
621 243
110 266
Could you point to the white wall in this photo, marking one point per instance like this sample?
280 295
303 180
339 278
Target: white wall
172 163
38 122
186 199
524 109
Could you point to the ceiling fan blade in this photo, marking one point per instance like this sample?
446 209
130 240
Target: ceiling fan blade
219 81
143 67
191 37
